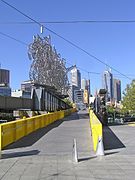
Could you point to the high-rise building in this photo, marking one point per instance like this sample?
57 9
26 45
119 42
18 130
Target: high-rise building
117 89
25 91
5 89
83 84
78 96
4 77
27 85
71 93
88 86
107 81
76 77
85 97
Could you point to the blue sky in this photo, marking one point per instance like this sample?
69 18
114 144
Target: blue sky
113 43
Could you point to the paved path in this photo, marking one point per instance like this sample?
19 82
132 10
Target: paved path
57 139
47 154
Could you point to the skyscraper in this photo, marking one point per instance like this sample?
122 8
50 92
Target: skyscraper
117 89
88 86
78 96
5 89
4 77
83 84
71 92
107 81
76 77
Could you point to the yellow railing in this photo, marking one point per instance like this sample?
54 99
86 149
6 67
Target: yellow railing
96 129
12 131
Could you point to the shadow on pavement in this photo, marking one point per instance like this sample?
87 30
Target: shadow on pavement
73 117
110 153
33 137
110 140
115 124
77 116
84 116
86 159
19 154
30 139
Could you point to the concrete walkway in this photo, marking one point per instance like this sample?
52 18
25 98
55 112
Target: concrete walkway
57 139
47 153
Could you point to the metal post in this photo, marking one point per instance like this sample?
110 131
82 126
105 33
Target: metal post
75 154
96 104
114 116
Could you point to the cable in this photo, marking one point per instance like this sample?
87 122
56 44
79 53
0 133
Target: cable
8 36
21 12
72 22
131 75
83 50
67 62
90 72
17 40
71 43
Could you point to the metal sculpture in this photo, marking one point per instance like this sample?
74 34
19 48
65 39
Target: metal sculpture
47 65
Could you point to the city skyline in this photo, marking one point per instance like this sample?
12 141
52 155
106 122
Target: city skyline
75 78
112 86
107 83
117 89
5 89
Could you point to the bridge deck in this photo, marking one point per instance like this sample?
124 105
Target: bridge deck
47 153
58 137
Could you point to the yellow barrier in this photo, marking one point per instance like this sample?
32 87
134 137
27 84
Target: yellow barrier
12 131
96 129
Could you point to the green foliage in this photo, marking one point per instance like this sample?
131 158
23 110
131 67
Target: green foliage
129 98
66 100
7 116
110 109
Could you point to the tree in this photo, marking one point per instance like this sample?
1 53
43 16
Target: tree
129 98
111 109
66 100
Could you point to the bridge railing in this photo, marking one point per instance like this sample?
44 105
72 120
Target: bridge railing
12 131
96 129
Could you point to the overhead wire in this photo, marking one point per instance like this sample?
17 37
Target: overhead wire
86 52
71 22
68 41
26 44
5 2
90 72
8 36
67 62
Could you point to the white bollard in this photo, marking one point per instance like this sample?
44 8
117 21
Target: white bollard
100 147
75 154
